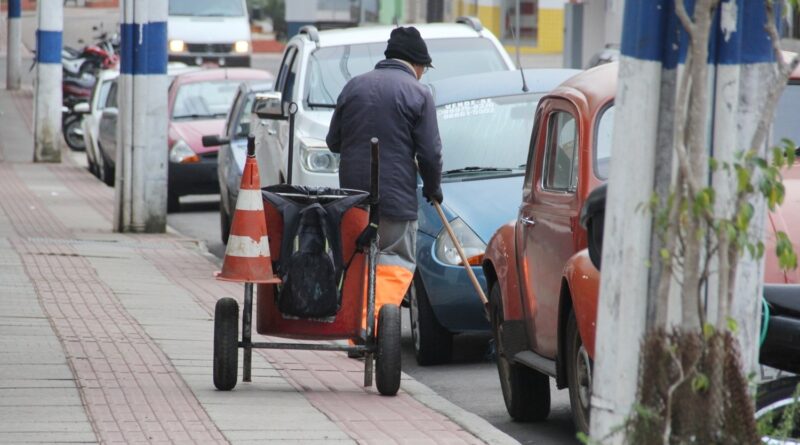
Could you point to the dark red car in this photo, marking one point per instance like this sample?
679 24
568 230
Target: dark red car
199 102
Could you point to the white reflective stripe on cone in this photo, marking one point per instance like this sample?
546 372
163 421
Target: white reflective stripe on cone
244 246
249 200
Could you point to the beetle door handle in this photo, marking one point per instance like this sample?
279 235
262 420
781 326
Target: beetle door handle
528 221
272 132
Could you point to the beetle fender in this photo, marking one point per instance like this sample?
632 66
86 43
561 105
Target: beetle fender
583 282
500 266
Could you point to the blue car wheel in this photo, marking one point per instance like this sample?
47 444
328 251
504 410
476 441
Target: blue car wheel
433 344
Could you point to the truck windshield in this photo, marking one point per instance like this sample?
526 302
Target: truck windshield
330 68
487 136
206 8
204 100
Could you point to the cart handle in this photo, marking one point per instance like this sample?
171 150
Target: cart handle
374 193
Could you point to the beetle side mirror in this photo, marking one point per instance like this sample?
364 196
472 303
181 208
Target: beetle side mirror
270 106
214 140
593 219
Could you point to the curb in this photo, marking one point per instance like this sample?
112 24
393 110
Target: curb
472 423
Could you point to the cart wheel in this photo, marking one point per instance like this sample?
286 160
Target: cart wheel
387 360
226 343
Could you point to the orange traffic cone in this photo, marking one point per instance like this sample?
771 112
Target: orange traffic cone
247 257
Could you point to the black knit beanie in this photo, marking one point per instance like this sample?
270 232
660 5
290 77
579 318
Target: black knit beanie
405 43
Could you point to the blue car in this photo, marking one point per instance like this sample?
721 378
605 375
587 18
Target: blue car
485 122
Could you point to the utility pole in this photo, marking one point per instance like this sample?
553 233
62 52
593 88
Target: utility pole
653 54
140 203
14 43
47 89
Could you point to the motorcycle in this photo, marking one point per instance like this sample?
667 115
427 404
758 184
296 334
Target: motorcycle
76 93
100 55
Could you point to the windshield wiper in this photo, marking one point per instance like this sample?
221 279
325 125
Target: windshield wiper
319 105
476 170
193 116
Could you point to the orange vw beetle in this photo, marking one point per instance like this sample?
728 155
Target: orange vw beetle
543 285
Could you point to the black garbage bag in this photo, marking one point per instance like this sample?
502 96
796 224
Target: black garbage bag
311 262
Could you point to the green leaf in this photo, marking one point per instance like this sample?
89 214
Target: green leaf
713 164
733 325
743 179
664 254
778 157
700 382
744 216
789 148
708 330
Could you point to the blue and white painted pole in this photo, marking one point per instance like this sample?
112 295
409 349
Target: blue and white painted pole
47 87
653 53
14 44
141 175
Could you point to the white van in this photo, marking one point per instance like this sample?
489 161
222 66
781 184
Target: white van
209 32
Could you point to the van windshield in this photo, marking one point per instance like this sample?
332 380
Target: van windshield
206 8
330 68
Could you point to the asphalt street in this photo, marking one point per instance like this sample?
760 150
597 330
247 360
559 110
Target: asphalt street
470 381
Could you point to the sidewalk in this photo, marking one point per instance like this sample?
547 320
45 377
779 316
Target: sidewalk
107 337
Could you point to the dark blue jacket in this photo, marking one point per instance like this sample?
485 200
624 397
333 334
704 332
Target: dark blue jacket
390 104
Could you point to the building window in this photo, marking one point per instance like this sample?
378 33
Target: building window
526 18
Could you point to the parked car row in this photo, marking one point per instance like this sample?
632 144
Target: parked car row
199 100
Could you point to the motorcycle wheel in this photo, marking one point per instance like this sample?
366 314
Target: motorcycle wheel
72 136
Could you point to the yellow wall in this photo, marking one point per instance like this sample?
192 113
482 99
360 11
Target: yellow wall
550 38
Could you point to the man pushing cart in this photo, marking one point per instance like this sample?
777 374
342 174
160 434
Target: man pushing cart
341 255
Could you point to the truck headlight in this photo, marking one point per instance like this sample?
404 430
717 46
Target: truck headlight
317 158
181 153
473 246
241 46
177 46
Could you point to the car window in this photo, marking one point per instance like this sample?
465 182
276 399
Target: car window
330 68
561 154
288 58
204 100
602 145
785 124
243 124
287 94
206 8
111 99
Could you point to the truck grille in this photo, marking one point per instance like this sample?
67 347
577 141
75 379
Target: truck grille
206 48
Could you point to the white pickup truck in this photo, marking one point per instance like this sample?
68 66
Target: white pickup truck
215 32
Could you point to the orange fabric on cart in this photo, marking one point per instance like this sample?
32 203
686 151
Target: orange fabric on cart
391 285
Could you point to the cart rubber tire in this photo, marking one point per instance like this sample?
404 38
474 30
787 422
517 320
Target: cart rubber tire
526 392
387 359
226 343
433 344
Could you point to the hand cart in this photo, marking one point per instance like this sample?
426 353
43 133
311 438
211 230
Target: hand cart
380 343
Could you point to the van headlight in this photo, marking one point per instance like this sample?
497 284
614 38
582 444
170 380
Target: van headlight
472 244
241 46
317 158
181 153
177 46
